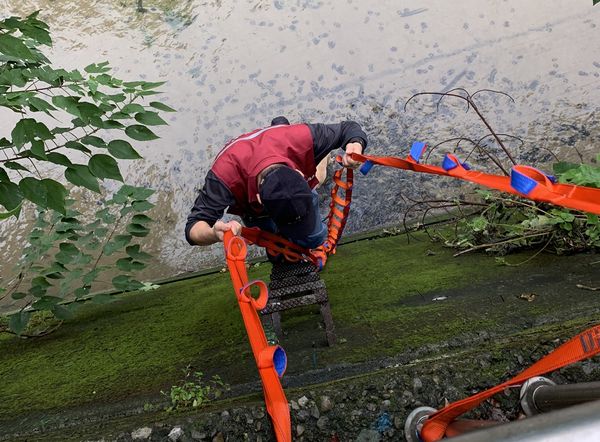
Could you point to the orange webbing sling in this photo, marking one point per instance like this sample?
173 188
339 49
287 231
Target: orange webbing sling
278 245
339 208
524 181
582 346
270 359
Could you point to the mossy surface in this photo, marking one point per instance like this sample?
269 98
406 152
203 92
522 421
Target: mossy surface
381 293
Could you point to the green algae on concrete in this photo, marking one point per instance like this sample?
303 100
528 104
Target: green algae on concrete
381 293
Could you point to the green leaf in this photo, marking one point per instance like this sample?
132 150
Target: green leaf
54 271
81 292
120 116
13 47
146 93
124 264
140 133
132 108
10 195
56 194
4 175
135 252
118 243
146 85
149 118
19 134
80 175
36 30
77 146
112 124
563 166
141 193
161 106
46 302
13 77
67 103
18 295
15 166
40 281
45 193
105 216
123 150
38 150
118 199
104 166
38 105
59 158
141 219
88 111
125 283
142 206
14 212
91 276
92 85
96 122
61 130
18 322
34 191
27 130
93 141
137 229
126 190
68 252
99 68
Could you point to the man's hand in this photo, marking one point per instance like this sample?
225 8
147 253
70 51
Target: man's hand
351 148
220 228
203 234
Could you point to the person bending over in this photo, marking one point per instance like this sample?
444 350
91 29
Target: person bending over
268 178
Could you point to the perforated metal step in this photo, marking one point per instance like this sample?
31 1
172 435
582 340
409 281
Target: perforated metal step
295 285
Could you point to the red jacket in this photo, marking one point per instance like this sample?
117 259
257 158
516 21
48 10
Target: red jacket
240 161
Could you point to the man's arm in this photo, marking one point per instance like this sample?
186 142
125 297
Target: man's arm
348 135
202 234
203 225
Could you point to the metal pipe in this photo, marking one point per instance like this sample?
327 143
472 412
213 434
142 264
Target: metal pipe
462 426
576 423
549 397
540 395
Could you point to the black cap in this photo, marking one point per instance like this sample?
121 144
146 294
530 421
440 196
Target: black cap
279 120
287 199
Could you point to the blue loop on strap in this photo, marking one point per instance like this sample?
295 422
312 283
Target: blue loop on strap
279 361
416 150
448 163
522 183
366 167
319 264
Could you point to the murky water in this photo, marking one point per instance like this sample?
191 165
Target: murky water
231 65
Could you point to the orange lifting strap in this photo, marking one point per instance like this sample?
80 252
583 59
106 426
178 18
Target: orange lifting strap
336 221
271 360
524 181
582 346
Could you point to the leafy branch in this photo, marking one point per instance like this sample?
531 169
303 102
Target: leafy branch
95 114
